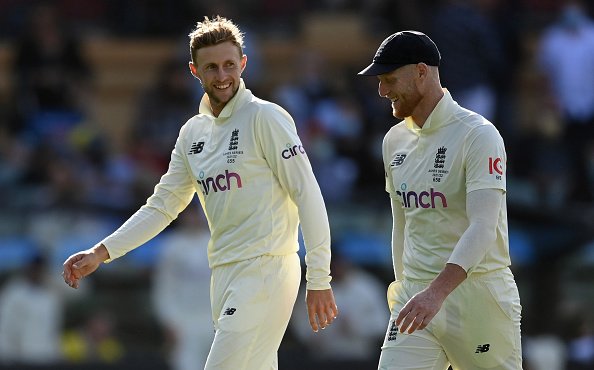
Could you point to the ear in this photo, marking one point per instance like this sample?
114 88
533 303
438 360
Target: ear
193 70
421 76
243 62
422 71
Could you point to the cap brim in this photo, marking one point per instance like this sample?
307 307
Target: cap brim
376 69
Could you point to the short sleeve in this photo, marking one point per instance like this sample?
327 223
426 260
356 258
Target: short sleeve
485 159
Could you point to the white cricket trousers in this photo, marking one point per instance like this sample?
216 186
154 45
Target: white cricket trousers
252 302
477 327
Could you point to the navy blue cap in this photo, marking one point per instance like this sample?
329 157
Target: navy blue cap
400 49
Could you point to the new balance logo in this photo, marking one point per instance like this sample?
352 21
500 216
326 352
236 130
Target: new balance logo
197 147
229 311
393 332
398 160
482 348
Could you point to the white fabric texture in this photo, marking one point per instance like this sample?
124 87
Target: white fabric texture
430 175
482 208
255 184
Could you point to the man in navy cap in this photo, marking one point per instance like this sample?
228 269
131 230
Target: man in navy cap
454 300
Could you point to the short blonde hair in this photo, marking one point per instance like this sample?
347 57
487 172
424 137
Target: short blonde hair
215 31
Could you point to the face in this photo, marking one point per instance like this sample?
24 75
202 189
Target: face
219 69
400 87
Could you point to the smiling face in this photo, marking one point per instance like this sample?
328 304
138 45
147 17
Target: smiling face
219 69
401 88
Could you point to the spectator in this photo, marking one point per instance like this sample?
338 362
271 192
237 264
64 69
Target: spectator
30 319
51 74
544 352
331 122
95 342
471 55
566 57
579 336
181 291
160 113
359 332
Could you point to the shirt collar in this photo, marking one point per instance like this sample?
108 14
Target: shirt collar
241 96
439 116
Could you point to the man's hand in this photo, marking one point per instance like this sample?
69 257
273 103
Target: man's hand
417 312
83 263
423 306
320 303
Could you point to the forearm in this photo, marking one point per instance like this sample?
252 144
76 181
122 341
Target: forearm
397 239
313 218
172 195
483 207
101 252
144 225
448 279
305 192
483 211
316 237
423 306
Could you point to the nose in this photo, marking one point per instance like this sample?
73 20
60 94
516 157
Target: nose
382 89
221 74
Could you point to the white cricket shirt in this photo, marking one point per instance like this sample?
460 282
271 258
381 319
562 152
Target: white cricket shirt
429 171
255 184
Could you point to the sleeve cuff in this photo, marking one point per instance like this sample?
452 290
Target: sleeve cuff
319 283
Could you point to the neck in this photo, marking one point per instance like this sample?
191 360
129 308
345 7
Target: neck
427 105
215 108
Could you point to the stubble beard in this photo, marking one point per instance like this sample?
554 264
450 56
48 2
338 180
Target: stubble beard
214 98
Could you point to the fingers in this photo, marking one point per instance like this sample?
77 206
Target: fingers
70 280
402 314
411 323
331 312
321 308
70 272
403 320
406 317
322 316
412 319
324 319
312 320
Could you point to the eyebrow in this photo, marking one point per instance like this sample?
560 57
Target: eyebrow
224 62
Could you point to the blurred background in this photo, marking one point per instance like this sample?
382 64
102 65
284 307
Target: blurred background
94 92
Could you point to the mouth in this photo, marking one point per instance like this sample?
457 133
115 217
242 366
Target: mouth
393 100
222 87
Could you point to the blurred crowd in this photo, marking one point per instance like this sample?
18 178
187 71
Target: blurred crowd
525 65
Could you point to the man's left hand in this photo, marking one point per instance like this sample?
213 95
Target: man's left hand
320 304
